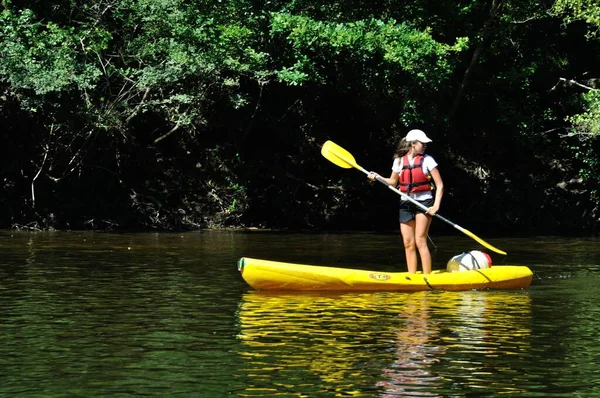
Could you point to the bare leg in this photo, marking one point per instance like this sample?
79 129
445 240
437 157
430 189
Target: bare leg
408 237
423 222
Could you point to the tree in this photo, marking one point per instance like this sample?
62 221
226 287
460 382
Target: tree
584 131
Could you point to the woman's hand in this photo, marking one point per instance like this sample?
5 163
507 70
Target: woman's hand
372 176
432 210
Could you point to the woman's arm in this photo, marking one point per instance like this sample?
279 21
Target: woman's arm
392 180
439 191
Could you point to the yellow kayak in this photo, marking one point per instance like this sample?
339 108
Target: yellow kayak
274 275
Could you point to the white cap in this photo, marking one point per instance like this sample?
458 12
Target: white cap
417 135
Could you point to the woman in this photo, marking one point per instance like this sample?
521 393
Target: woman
412 173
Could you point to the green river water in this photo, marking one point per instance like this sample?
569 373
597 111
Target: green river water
88 314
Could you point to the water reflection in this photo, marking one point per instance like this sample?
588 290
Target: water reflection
93 314
454 339
115 315
417 348
411 344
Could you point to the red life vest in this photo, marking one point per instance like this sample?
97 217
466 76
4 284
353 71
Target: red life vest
412 178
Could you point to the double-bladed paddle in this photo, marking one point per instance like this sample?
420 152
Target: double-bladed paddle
341 157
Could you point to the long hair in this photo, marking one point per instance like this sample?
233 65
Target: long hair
402 148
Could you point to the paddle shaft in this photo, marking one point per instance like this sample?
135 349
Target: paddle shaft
416 202
341 157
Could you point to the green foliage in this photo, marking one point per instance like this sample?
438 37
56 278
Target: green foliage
180 60
44 57
575 10
218 108
390 47
587 124
586 128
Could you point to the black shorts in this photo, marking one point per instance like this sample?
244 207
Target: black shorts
408 209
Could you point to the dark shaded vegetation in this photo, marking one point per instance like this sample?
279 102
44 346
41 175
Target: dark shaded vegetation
173 115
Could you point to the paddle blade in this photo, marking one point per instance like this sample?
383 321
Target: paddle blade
338 155
482 242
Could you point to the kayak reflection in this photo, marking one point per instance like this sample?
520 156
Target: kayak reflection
451 339
418 343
